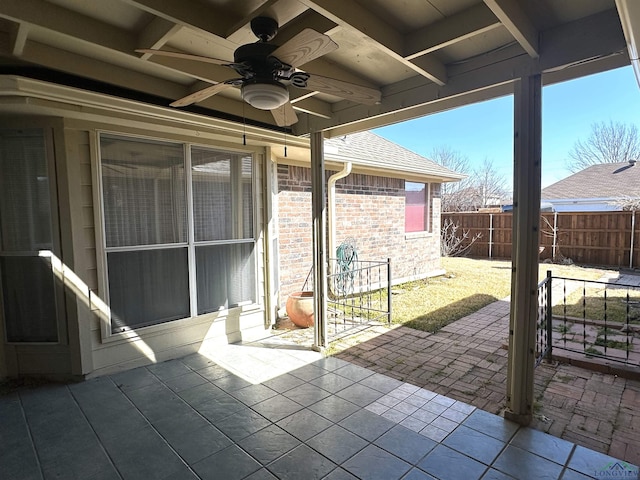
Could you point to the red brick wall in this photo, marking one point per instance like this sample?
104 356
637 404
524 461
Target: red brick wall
369 209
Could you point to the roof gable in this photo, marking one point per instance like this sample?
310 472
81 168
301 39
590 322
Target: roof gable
606 180
370 150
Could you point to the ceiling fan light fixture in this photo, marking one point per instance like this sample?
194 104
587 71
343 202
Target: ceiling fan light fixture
265 96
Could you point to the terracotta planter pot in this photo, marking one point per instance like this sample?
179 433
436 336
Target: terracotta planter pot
300 308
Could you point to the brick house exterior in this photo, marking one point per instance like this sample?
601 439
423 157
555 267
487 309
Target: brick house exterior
370 208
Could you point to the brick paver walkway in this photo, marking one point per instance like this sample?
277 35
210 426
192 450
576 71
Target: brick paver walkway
467 361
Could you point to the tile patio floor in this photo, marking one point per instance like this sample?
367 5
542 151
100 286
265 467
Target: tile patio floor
271 410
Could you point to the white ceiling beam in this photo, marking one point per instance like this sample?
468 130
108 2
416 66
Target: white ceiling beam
629 11
591 39
48 16
516 21
241 22
19 34
466 24
189 13
82 66
351 15
206 72
312 106
157 34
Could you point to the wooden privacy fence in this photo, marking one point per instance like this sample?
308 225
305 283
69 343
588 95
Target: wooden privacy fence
591 238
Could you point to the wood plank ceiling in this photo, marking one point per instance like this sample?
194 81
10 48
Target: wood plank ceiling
423 56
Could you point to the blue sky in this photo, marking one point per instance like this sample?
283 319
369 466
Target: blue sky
485 130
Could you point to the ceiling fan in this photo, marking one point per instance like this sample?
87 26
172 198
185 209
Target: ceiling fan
266 71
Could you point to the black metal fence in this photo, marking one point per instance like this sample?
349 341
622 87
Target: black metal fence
590 318
359 292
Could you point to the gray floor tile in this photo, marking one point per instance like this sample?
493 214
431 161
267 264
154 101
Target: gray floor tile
573 475
308 372
514 461
417 474
87 462
306 394
231 383
169 369
304 424
496 475
219 408
196 361
143 454
334 408
413 424
443 462
337 444
332 383
132 379
330 363
405 444
231 464
254 394
360 394
113 416
183 382
542 444
301 463
283 382
381 383
157 402
354 372
340 474
393 415
213 372
492 425
474 444
262 474
201 394
593 463
433 407
181 473
269 444
367 425
373 463
276 408
424 415
193 441
242 423
94 390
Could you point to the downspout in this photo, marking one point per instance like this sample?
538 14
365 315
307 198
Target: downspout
346 170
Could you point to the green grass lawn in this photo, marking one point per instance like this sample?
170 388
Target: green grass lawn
621 304
468 285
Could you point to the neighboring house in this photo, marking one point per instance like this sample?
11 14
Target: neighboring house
602 187
131 233
389 204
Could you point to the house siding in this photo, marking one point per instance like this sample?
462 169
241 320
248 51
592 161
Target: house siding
369 209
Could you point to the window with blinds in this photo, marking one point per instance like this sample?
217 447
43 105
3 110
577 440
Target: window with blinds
416 207
178 230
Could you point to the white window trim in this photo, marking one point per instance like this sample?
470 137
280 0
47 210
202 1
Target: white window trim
107 335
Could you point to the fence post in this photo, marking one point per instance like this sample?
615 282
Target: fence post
555 236
389 289
490 234
633 235
549 318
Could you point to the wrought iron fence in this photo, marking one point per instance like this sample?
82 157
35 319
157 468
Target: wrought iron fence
596 319
359 292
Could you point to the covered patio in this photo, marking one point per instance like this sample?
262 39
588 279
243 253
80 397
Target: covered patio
266 410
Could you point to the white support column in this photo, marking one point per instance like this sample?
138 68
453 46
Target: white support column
319 216
526 239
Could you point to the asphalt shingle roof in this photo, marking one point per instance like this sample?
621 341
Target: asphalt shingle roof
370 150
606 180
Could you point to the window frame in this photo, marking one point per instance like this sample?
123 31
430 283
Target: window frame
428 210
190 244
51 128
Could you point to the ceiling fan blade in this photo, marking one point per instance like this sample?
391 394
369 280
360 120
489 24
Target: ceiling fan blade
187 56
304 47
201 95
346 90
284 115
